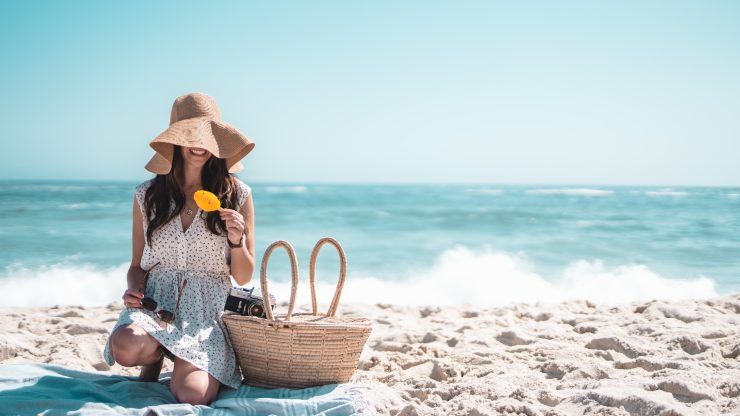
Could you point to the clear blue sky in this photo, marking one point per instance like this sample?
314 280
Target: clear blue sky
592 92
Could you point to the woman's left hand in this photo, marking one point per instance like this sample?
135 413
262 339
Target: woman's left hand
234 224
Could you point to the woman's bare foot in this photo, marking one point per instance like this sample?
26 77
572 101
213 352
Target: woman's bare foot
150 372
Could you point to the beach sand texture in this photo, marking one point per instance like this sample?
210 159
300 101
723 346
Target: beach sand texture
574 358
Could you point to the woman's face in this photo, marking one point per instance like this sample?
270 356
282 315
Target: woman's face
195 156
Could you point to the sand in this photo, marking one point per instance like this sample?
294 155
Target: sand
574 358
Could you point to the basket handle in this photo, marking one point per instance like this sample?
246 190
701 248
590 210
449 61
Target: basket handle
342 274
293 273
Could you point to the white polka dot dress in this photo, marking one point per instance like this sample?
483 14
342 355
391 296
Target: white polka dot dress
197 335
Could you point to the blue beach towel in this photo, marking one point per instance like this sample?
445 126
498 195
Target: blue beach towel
51 390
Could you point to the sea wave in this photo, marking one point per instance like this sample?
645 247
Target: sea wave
571 192
491 278
61 284
666 192
459 275
486 191
32 187
286 189
86 205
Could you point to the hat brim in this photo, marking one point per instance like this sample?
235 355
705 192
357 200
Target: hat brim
221 139
161 166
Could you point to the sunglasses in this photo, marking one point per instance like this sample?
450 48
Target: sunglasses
151 305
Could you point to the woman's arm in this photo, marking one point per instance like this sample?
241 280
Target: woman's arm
242 258
135 275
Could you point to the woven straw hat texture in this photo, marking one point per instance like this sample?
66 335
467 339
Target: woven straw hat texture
195 121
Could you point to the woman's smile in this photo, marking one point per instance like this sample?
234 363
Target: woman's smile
197 152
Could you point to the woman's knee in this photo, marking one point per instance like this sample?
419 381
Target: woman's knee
190 384
194 395
128 344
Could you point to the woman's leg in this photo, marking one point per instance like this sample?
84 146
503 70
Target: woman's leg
190 384
131 345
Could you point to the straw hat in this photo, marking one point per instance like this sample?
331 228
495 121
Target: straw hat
195 121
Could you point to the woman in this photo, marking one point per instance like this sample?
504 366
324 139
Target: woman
189 254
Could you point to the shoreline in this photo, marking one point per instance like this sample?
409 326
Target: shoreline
575 357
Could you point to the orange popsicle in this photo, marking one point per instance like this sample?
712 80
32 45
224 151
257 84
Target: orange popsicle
207 201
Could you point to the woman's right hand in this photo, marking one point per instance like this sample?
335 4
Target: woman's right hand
132 298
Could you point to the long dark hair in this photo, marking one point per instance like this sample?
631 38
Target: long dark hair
215 177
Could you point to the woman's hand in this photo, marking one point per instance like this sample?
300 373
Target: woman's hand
132 298
234 224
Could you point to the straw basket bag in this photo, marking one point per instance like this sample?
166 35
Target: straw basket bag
303 349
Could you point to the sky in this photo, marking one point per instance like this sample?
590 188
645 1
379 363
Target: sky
570 92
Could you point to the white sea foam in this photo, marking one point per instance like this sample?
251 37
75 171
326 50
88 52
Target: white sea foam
459 275
50 187
733 195
666 192
571 192
286 189
85 285
380 213
489 278
86 205
486 191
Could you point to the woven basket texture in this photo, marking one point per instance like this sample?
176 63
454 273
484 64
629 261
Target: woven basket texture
303 349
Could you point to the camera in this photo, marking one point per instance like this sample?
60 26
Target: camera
242 301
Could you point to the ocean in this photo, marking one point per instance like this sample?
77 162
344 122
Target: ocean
69 242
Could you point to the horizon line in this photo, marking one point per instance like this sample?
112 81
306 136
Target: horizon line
399 183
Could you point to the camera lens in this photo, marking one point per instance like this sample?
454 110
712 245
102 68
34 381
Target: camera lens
256 310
